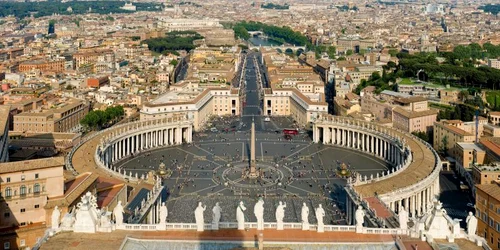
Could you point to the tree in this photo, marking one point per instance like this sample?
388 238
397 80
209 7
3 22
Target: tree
331 51
444 146
462 95
422 135
174 62
349 52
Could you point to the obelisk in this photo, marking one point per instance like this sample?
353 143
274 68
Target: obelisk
253 172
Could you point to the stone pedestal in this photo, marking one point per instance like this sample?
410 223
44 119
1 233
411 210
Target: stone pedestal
305 226
321 228
85 222
359 229
279 226
215 226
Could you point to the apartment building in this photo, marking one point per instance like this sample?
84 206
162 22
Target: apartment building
453 131
494 63
56 66
25 189
413 115
91 57
63 117
488 213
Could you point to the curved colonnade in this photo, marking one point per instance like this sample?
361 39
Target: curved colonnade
121 142
414 180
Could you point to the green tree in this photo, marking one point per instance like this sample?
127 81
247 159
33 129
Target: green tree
174 62
422 135
349 52
331 51
443 149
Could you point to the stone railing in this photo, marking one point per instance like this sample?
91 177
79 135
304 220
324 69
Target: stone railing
382 132
146 204
253 225
427 181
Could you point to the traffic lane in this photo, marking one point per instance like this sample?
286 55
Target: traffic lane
455 201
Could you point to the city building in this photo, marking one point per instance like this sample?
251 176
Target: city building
187 24
488 213
413 115
494 63
26 187
63 117
447 133
44 66
198 104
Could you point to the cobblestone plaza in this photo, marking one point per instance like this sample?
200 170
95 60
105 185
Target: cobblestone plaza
295 171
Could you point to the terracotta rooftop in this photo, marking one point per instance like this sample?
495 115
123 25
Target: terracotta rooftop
491 145
380 209
492 190
415 114
74 190
9 167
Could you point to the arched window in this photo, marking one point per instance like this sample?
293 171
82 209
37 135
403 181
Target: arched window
36 188
8 192
22 190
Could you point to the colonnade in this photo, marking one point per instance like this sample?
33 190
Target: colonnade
359 139
139 141
416 202
384 143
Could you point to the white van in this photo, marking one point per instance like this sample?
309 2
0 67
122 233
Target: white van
267 119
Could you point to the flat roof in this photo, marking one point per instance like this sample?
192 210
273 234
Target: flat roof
470 146
11 167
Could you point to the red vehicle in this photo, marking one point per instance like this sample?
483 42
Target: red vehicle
290 131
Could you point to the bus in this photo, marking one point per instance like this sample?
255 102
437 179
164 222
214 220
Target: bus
290 131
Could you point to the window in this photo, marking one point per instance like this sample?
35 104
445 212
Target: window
491 222
23 210
36 188
22 190
6 215
23 177
6 245
8 192
37 206
22 243
36 176
8 179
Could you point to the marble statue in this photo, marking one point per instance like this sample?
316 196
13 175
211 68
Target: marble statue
305 216
216 211
118 213
56 214
280 214
471 224
240 215
198 215
163 213
360 216
258 211
86 218
403 219
320 213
